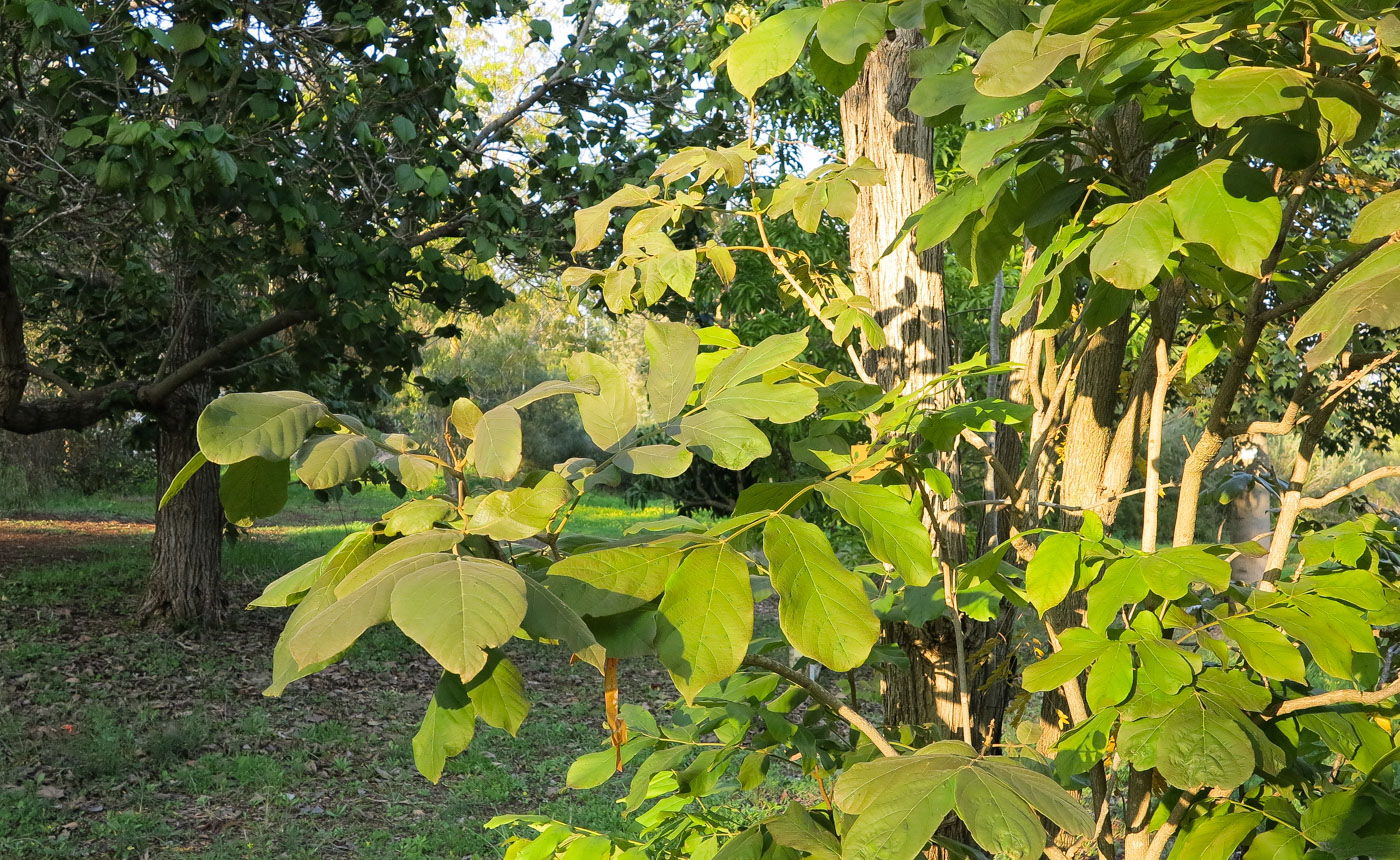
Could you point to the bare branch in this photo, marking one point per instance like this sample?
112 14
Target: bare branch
1339 697
1351 486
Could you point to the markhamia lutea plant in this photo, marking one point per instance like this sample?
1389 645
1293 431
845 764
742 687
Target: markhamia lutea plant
1191 201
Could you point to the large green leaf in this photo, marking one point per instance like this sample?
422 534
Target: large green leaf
779 403
548 617
1242 91
1078 648
1076 16
430 541
769 49
496 449
1232 209
254 488
1122 583
289 588
1368 294
900 823
1214 837
1281 843
1266 650
1331 651
1001 824
890 525
663 461
822 606
270 425
418 515
1111 678
1340 813
614 580
457 609
1052 570
1018 62
1200 746
328 461
796 828
706 618
1170 572
725 439
848 26
746 362
517 514
338 625
1133 249
285 668
447 729
498 692
610 416
415 472
671 348
465 416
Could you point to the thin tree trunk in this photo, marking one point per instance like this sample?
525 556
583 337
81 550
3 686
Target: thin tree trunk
184 587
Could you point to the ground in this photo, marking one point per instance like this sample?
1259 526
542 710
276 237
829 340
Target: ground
122 741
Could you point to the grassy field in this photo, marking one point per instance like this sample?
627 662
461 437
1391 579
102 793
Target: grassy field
119 741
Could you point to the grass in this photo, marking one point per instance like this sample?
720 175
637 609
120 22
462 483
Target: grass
119 741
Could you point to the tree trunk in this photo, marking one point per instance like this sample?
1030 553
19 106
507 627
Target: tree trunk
908 294
184 588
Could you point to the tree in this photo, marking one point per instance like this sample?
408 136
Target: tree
1203 714
248 197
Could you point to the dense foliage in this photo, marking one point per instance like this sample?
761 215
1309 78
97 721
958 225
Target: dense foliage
1159 177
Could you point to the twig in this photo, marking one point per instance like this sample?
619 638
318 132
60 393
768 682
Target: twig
1339 697
1351 486
827 699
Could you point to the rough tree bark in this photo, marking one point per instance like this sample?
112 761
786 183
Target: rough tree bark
908 293
184 586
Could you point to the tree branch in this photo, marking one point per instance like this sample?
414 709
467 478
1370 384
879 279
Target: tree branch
1339 697
826 698
1351 486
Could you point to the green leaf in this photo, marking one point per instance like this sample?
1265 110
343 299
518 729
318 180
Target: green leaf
1132 251
1122 583
498 692
447 729
1232 209
1111 678
457 609
1170 572
548 617
496 448
1087 744
610 416
328 461
1052 570
1078 648
769 49
517 514
592 770
706 618
900 803
610 581
796 828
779 403
822 607
465 416
1340 813
1214 837
1166 666
663 461
672 348
370 565
1330 651
1351 113
592 222
1265 649
187 36
197 462
744 363
553 388
890 525
415 472
253 489
723 438
270 425
1241 91
848 26
999 823
418 515
285 668
1200 746
1076 16
1369 293
1017 62
289 588
1281 843
337 626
